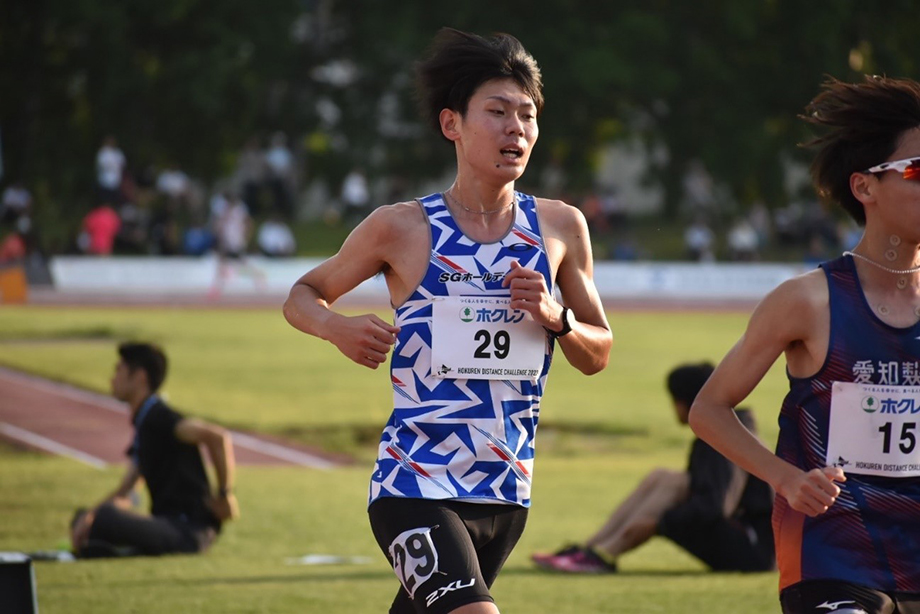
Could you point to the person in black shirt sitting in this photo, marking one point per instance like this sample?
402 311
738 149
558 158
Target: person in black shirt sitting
185 515
714 510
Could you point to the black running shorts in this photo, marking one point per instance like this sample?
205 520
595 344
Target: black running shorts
446 553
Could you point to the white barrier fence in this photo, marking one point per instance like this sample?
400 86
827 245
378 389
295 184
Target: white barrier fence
258 276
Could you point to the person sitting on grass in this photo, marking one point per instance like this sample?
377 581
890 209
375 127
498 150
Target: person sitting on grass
713 509
185 516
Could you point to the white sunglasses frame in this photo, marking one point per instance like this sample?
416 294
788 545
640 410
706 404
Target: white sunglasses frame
895 165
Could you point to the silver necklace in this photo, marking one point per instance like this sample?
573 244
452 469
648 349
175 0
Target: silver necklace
915 269
486 212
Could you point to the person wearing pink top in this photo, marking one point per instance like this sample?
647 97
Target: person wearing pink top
99 229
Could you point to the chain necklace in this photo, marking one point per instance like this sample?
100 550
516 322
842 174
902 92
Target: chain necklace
915 269
485 212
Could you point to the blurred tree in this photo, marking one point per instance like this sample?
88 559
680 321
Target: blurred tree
718 82
173 80
715 81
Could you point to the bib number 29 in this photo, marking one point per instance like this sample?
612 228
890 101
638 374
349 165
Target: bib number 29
499 344
415 558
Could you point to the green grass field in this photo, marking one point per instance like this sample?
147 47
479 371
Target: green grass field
248 369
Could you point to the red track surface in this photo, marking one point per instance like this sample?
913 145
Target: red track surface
39 414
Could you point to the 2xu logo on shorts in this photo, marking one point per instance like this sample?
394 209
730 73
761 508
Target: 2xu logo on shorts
453 586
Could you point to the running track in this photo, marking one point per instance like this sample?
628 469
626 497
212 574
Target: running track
95 429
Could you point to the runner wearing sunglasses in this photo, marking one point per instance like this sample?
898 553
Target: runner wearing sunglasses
909 168
847 464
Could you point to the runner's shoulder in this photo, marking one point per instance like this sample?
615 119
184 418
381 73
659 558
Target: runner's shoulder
396 218
798 300
560 215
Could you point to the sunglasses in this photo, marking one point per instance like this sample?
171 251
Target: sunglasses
909 168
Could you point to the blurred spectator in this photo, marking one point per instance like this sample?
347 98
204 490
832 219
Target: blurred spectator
164 228
743 241
759 218
218 204
132 234
624 247
173 183
698 187
613 208
817 220
110 165
275 238
250 175
816 251
280 165
166 454
145 181
355 195
699 239
234 228
712 509
787 222
99 229
198 239
15 246
15 203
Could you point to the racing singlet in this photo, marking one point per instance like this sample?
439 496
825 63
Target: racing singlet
860 412
468 372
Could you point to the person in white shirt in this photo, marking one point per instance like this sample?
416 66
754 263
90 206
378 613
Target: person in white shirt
234 227
110 164
275 238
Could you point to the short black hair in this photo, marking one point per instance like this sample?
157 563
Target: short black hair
148 357
685 381
862 125
458 63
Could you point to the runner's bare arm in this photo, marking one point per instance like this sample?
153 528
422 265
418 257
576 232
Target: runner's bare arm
782 322
368 250
587 347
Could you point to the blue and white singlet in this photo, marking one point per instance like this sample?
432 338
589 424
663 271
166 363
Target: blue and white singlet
469 439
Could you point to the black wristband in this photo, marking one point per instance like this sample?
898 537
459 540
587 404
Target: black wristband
223 492
566 324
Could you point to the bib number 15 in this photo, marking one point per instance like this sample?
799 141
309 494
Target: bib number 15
907 441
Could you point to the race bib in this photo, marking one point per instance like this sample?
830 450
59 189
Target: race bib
415 559
481 337
874 429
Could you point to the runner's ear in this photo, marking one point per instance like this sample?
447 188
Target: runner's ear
449 124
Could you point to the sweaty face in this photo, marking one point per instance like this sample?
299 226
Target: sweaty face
499 129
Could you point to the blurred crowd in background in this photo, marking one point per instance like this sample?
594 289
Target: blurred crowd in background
166 212
238 128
